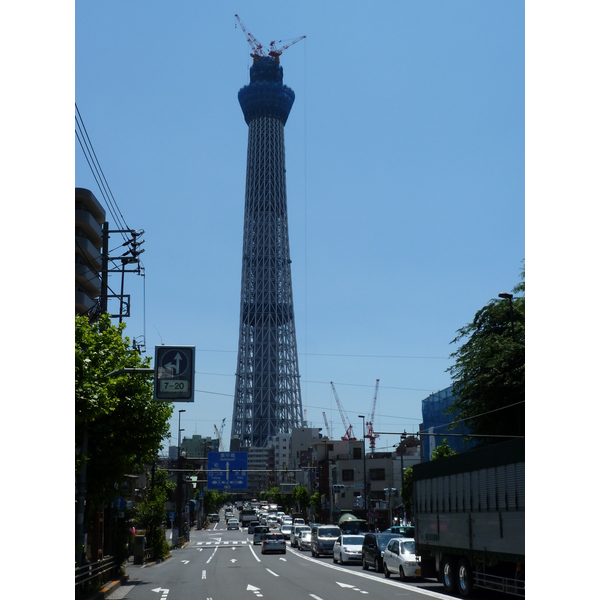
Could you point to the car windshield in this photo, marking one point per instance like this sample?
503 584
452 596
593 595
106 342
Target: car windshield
382 540
352 540
407 547
329 532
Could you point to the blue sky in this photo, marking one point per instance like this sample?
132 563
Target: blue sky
405 156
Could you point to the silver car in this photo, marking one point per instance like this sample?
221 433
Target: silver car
305 540
273 542
399 557
297 534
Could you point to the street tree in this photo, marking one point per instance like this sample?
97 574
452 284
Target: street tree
442 450
489 369
150 513
301 496
119 427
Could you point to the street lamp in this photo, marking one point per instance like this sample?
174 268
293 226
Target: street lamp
179 478
509 297
390 492
179 433
365 469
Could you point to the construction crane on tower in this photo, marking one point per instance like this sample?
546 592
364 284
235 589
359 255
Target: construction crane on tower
220 436
370 435
257 48
326 425
349 435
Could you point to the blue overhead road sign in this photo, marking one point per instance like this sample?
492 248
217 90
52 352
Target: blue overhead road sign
227 471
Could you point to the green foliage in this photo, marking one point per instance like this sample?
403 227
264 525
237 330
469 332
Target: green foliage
213 500
489 372
442 450
302 497
124 426
316 502
407 490
151 512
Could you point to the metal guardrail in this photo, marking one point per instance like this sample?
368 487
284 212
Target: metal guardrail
514 587
93 574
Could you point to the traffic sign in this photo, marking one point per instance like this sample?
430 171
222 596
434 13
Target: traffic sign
227 471
174 369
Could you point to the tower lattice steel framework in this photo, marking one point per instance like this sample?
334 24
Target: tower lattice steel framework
267 386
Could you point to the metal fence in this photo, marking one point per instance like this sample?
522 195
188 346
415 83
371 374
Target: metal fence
90 577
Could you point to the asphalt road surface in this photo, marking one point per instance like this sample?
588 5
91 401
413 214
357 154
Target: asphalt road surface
225 565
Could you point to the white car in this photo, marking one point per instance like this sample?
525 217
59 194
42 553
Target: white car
233 524
296 534
348 548
305 540
399 557
286 530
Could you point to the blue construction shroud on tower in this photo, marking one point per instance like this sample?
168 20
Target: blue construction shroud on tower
267 385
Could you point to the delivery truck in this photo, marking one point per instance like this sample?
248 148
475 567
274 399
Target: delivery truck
469 518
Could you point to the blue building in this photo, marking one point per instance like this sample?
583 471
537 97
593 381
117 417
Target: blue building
436 421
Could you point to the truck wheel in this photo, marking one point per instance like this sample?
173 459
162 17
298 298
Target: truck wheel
364 564
447 569
465 578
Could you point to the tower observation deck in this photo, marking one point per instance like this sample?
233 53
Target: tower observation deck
267 384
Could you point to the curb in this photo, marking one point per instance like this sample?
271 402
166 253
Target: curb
109 587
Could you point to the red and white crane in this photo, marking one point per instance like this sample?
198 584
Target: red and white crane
257 48
349 435
370 435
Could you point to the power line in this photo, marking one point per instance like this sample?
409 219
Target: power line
97 172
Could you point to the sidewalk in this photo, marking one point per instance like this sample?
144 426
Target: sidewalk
119 588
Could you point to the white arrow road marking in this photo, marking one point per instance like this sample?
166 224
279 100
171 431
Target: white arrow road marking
185 562
272 573
283 559
348 585
255 590
166 591
233 560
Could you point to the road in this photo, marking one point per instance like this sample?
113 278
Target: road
225 565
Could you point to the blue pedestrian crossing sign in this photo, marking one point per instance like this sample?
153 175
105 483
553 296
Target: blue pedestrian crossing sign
227 471
174 368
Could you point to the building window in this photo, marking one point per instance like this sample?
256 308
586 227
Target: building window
357 453
347 474
377 474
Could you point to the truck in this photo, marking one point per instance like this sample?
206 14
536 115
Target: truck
469 518
246 516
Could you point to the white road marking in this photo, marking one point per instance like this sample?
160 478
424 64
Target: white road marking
203 574
397 584
211 556
272 573
254 553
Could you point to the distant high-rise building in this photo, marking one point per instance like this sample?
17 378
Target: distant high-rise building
267 386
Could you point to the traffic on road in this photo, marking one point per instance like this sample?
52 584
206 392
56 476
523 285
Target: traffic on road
222 562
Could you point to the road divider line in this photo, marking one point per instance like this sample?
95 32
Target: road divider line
396 584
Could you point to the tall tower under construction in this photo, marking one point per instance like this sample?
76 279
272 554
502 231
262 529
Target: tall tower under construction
267 384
